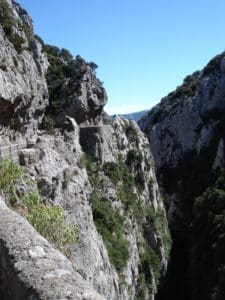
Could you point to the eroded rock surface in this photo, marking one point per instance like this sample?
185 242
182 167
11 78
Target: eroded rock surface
31 268
97 174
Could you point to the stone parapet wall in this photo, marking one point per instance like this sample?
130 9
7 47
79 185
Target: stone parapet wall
30 268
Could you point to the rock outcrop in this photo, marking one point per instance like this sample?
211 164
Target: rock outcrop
186 130
63 179
31 268
23 65
188 118
100 178
74 89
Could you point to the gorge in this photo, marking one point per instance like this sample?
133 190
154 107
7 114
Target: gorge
99 208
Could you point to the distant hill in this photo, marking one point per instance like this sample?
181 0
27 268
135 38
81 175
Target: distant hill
136 116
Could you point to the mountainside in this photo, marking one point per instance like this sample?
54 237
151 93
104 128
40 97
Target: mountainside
186 131
84 215
88 189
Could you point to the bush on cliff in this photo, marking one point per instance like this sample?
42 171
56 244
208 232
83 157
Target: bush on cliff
49 221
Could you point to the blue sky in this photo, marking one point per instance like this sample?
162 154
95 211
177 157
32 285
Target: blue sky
144 48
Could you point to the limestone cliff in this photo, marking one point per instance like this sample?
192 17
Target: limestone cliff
23 64
76 173
188 117
186 130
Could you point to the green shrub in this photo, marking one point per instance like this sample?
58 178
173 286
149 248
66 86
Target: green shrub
134 157
50 223
28 32
8 22
207 268
17 41
107 220
120 174
213 64
149 260
10 174
49 124
112 170
110 225
66 55
39 39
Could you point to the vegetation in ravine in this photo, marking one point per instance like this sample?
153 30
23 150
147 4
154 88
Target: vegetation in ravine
111 225
49 221
208 245
188 181
108 221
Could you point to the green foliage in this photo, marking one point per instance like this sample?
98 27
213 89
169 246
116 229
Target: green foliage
133 156
86 162
93 66
10 174
67 56
149 265
17 41
209 242
110 225
50 223
168 104
49 124
63 71
6 18
192 175
28 32
150 260
214 64
112 170
106 121
134 161
107 220
120 174
39 39
8 22
155 222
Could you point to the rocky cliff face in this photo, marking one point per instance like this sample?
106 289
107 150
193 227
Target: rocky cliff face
187 118
74 88
116 192
186 130
99 178
23 64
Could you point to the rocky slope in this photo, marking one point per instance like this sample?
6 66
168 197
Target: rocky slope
97 178
186 130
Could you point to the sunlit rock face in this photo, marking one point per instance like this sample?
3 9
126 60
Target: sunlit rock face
101 176
188 118
23 65
186 131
